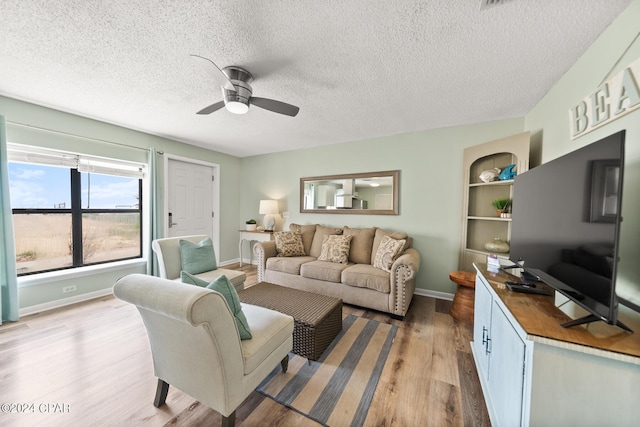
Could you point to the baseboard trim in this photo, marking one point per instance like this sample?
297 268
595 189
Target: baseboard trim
39 308
434 294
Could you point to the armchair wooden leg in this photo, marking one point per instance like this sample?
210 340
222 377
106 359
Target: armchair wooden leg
161 393
285 363
229 421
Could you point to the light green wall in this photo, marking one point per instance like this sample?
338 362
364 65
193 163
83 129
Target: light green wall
430 165
549 123
25 113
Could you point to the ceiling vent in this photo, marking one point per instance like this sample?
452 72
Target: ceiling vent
485 4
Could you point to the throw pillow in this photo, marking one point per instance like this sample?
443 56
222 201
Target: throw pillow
388 251
318 238
289 243
380 233
335 248
190 279
224 286
307 232
198 257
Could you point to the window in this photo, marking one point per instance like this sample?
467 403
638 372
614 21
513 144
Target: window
72 210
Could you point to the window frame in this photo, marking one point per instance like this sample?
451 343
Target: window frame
76 210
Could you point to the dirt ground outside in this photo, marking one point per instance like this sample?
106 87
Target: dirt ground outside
43 241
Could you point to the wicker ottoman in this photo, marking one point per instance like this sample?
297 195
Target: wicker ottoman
317 318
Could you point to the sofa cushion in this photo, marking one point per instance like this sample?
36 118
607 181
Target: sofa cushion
197 257
289 243
335 249
323 270
361 244
388 251
398 235
366 276
290 265
307 232
318 239
225 287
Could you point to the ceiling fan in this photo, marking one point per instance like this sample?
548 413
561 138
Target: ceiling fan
237 92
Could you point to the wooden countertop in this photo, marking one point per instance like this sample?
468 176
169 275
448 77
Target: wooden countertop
541 319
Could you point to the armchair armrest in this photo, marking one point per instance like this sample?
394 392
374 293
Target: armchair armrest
264 251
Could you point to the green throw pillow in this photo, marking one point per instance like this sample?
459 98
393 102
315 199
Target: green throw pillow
225 287
190 279
198 257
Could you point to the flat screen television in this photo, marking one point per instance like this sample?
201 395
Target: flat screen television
566 224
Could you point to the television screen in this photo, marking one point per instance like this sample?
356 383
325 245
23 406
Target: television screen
566 217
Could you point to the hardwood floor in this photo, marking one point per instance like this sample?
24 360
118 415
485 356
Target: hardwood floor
90 364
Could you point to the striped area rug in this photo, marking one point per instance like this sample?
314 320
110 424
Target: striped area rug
337 389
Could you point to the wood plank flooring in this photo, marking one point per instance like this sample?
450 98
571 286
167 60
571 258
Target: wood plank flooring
90 364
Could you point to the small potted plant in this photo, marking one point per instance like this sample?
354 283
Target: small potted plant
251 225
502 205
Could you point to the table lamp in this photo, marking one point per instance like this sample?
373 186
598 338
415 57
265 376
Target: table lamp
268 208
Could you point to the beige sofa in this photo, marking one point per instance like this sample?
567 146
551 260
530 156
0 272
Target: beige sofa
357 281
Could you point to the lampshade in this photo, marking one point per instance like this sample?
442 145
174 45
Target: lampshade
268 207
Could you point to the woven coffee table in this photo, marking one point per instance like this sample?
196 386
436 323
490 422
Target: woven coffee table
317 318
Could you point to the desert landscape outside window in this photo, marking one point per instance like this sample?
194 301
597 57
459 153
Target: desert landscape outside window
66 218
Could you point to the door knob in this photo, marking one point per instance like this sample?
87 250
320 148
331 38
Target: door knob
171 223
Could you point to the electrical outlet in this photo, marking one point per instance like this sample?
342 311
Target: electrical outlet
285 215
68 289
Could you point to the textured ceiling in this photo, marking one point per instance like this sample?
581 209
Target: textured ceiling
357 69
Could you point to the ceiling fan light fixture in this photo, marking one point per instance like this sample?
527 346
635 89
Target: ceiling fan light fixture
237 102
237 107
237 94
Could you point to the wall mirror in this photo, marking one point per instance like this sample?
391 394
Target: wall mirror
371 193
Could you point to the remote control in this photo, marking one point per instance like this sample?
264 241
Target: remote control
526 288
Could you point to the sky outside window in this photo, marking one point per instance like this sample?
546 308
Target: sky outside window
46 187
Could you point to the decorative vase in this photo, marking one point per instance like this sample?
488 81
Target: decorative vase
251 227
497 245
501 211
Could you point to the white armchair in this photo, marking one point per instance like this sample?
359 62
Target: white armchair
196 346
167 252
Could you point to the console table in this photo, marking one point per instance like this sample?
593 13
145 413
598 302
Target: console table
252 237
534 372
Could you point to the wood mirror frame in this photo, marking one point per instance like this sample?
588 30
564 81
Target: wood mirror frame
351 193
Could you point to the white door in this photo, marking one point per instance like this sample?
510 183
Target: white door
190 199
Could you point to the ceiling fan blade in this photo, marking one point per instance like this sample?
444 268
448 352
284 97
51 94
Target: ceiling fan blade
212 69
275 106
211 108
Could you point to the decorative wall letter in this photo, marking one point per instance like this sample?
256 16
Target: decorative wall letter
615 98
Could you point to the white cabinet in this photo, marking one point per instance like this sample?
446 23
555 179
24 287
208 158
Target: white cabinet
506 369
325 196
481 328
480 222
535 373
499 353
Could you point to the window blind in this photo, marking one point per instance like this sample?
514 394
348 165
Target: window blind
81 162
